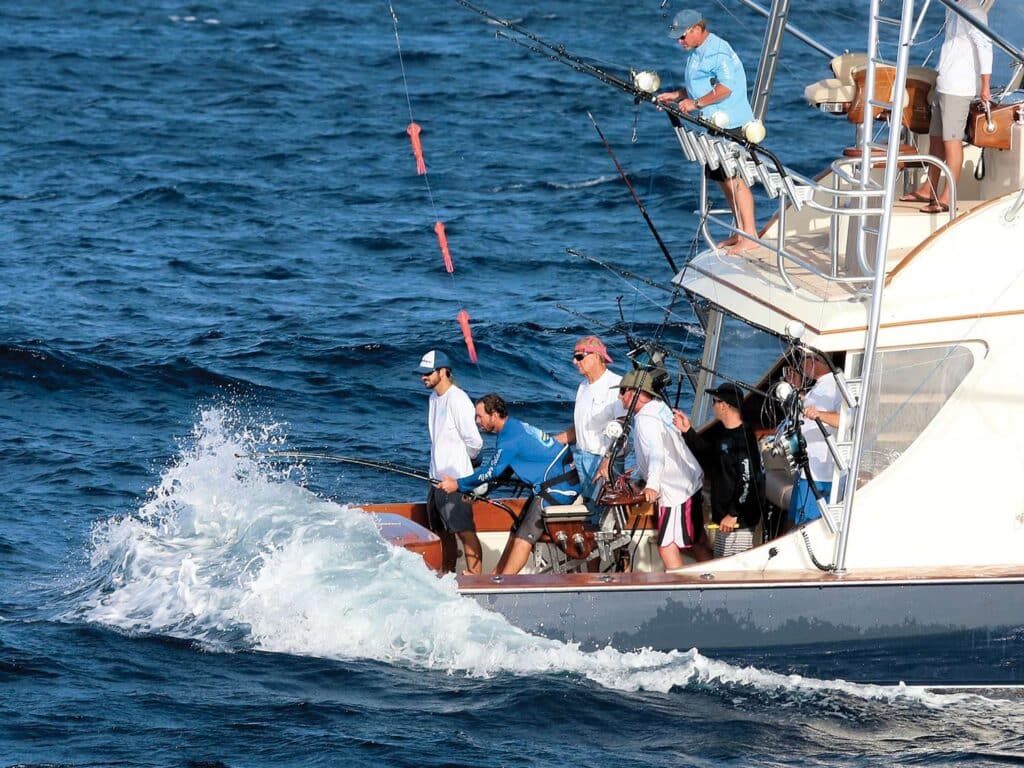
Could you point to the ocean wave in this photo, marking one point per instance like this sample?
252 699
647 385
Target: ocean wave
35 362
236 554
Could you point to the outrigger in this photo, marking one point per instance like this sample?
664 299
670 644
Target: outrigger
915 573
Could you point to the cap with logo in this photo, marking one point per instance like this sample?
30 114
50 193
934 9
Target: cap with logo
685 19
433 360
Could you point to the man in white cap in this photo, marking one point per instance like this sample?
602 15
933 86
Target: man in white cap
716 83
672 474
454 442
596 405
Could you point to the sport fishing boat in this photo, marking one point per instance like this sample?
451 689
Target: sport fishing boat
915 571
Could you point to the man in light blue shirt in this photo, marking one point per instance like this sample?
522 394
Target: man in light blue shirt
716 83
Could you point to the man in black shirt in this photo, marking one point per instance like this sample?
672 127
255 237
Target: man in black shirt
728 453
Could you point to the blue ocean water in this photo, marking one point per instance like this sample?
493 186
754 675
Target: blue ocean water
214 242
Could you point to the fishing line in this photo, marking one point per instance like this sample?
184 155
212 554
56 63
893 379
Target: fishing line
413 129
408 101
636 198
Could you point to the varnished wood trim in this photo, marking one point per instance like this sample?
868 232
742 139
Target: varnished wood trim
941 230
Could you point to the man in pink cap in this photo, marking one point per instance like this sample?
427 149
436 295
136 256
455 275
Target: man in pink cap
597 404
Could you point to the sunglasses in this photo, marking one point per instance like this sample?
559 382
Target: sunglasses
577 356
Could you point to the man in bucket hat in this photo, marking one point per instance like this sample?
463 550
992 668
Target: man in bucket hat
671 472
454 442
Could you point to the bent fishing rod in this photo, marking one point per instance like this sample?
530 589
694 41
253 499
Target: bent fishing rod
561 55
383 466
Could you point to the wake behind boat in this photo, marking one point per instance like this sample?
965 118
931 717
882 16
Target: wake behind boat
914 571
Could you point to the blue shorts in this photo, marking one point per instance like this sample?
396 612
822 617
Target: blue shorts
587 465
802 506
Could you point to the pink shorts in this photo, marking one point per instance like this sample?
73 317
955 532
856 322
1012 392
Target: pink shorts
682 526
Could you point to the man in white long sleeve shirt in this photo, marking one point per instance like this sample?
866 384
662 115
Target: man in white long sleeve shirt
671 471
965 71
454 442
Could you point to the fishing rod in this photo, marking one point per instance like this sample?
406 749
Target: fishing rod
384 466
643 87
636 197
620 271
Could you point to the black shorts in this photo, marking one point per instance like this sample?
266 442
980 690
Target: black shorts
449 512
531 522
718 174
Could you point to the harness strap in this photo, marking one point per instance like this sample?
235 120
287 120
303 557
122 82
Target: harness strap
571 475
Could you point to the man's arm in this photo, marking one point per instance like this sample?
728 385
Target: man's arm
567 437
498 464
694 440
828 417
983 48
719 93
465 423
649 444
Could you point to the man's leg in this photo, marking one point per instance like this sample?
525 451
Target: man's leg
473 551
516 555
929 189
741 203
449 551
954 155
671 557
436 499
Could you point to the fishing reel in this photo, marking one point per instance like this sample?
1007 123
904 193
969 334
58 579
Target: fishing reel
788 441
645 81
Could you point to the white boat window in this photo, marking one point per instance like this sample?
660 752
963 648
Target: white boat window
910 388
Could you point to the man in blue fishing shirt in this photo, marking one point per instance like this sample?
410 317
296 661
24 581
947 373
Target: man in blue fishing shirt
716 83
537 459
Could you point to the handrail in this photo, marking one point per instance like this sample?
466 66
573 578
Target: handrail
842 172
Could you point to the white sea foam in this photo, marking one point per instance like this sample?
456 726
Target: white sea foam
230 552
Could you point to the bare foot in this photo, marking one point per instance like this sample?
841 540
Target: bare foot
936 206
729 241
741 246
